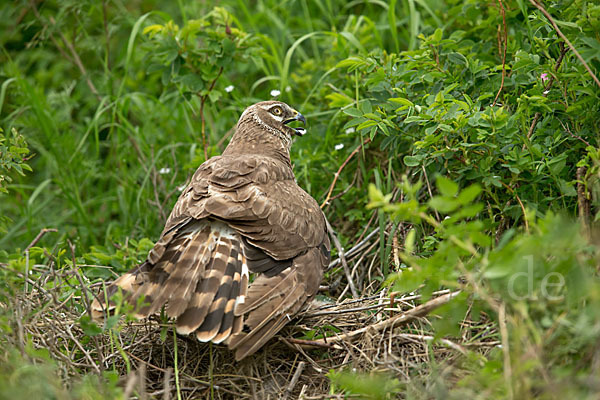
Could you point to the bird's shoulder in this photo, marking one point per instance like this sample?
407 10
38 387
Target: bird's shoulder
234 171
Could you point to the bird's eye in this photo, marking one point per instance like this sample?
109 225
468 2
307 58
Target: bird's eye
277 111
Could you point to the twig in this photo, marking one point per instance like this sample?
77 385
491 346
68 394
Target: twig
176 364
75 57
86 299
504 43
339 171
167 384
85 353
205 141
559 32
354 250
403 318
313 343
566 128
77 61
295 378
33 243
142 381
298 348
39 237
583 201
340 250
520 204
538 114
366 228
505 349
29 281
429 190
428 338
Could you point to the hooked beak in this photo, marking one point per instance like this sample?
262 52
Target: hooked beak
297 117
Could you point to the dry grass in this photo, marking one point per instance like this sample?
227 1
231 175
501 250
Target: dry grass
143 352
380 333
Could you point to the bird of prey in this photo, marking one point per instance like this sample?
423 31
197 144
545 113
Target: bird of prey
243 249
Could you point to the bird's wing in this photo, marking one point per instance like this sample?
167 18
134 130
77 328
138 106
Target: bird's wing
237 214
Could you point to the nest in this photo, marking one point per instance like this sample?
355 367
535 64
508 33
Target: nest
385 332
368 334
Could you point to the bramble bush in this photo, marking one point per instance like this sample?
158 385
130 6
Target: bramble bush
465 131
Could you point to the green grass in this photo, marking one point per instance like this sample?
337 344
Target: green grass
113 137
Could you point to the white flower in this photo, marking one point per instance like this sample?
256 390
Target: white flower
181 188
229 88
163 171
287 88
350 130
339 146
275 93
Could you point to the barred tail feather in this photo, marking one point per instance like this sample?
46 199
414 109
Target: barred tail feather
208 311
127 283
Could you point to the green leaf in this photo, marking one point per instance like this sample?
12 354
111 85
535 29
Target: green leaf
446 186
412 161
443 204
88 326
469 194
353 112
457 58
402 101
367 124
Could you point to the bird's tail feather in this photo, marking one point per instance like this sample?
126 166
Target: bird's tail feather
271 302
127 283
200 274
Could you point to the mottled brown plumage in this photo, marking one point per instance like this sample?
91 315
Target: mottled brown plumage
242 213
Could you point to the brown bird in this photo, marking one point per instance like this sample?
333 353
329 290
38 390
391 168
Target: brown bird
242 213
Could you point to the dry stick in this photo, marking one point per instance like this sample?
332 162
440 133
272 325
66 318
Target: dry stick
167 384
339 171
583 200
373 215
130 385
86 299
520 204
559 32
142 374
27 280
313 343
39 237
429 190
52 38
205 142
504 42
403 318
428 338
340 250
33 243
354 250
505 349
77 61
566 128
85 353
295 378
297 347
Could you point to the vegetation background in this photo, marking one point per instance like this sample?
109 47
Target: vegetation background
463 133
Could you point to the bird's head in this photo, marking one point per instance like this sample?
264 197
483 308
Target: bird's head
275 115
266 128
